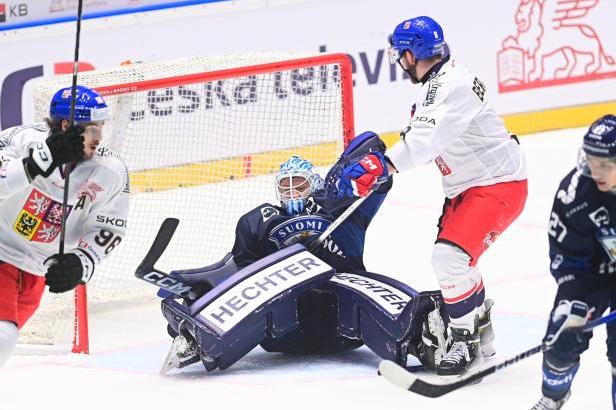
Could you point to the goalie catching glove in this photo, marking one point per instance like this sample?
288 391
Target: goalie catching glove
61 147
364 176
66 271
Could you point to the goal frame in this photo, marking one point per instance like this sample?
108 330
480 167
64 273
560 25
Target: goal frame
81 342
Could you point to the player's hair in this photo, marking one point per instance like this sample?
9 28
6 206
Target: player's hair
54 125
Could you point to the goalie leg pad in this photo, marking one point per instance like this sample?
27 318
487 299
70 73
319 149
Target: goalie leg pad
259 300
385 314
317 312
202 280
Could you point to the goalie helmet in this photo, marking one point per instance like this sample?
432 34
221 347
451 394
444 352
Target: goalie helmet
296 181
89 105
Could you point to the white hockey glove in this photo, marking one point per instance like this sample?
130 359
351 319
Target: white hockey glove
569 315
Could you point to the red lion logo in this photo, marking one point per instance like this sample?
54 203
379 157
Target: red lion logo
553 45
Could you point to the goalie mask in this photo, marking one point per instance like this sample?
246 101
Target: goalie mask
295 182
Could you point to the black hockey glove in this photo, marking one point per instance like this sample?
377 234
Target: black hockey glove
61 147
66 271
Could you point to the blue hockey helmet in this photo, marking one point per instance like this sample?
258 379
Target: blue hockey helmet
89 105
296 180
600 139
421 35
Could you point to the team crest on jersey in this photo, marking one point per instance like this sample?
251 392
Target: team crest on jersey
268 211
600 217
297 229
40 218
89 189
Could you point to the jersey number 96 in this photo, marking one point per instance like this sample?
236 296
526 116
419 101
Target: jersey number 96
106 238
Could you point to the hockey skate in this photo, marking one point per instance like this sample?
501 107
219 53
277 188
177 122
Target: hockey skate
184 351
434 340
486 332
545 403
463 354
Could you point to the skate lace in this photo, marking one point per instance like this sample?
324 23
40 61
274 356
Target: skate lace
458 351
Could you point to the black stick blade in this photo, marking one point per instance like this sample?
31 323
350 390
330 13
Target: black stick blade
163 237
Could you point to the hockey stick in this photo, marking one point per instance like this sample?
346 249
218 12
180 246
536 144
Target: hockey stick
407 380
146 270
67 167
336 223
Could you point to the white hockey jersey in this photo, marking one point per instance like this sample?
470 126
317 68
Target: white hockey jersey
31 213
453 125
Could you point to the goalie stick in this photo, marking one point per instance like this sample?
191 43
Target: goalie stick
407 380
147 272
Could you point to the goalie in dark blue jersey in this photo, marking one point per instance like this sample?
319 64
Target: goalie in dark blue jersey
271 291
582 235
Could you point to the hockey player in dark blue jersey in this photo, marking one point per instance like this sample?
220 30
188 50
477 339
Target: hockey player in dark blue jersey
582 235
271 291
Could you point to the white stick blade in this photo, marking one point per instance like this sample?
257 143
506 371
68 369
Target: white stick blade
396 374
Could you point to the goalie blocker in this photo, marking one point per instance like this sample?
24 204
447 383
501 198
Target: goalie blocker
293 302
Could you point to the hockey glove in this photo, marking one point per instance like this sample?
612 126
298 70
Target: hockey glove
565 330
364 176
61 147
66 271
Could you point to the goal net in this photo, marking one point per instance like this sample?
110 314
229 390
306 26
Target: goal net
202 138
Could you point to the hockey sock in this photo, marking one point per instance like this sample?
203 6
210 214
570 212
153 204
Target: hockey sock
465 322
557 381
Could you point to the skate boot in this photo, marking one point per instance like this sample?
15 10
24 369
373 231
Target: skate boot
434 341
545 403
486 333
463 354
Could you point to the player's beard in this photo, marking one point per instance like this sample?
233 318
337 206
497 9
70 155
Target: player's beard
412 72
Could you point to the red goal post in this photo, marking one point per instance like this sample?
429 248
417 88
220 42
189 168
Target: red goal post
202 138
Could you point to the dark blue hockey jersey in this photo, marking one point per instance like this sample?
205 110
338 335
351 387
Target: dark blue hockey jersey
268 228
582 231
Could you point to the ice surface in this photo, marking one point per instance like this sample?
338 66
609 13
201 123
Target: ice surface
129 346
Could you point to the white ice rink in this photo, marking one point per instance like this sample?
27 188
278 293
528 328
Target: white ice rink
128 347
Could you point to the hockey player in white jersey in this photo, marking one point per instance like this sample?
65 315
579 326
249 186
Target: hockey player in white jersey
32 168
484 178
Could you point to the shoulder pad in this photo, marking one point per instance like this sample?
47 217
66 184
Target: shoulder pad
114 162
6 137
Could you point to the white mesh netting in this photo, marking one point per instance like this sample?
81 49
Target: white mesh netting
203 148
